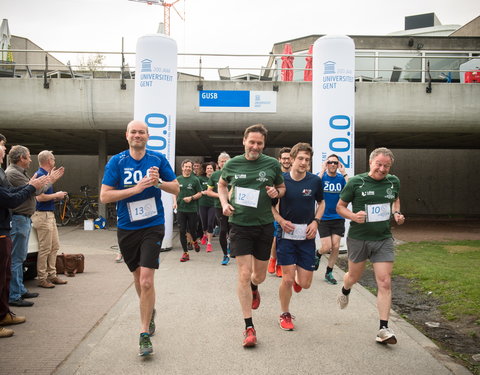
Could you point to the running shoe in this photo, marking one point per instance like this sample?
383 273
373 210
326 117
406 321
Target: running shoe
285 321
185 257
271 265
256 299
330 279
386 336
250 337
317 260
151 326
189 246
204 240
196 246
279 271
146 347
342 301
297 288
209 248
225 260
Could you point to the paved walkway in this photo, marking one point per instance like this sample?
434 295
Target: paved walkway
90 326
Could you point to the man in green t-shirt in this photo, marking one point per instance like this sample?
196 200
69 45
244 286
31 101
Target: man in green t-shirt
255 180
187 206
375 199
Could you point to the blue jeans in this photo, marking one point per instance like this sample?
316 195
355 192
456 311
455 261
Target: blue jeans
20 233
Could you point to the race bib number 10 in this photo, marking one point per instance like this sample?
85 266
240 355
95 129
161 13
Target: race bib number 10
377 212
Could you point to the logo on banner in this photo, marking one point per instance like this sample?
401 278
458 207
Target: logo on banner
146 65
329 67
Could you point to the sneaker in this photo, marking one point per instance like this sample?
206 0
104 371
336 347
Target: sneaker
185 257
256 299
225 260
279 271
297 288
271 265
285 321
342 301
209 248
146 347
204 240
189 246
330 279
6 332
196 246
11 318
317 260
250 337
386 336
151 326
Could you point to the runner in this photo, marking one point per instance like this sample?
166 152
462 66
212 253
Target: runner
375 200
332 226
134 179
207 208
186 204
255 179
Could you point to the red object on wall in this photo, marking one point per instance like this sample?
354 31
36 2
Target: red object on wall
472 76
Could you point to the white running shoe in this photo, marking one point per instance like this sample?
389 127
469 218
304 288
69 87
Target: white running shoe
386 336
342 301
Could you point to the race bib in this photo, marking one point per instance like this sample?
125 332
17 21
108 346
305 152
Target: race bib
298 234
377 212
246 197
140 210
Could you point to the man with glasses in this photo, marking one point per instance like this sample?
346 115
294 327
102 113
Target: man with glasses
375 200
332 226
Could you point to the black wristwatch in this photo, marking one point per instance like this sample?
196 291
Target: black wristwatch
317 220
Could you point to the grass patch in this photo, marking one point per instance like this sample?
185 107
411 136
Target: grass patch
450 270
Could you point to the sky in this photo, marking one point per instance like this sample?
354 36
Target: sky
213 26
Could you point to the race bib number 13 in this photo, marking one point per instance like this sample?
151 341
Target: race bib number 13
140 210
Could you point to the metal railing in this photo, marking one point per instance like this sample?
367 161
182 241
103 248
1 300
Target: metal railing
371 65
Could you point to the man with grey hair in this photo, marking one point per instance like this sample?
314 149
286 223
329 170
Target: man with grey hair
375 201
16 173
44 223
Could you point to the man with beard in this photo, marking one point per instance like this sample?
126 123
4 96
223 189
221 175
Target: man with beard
255 180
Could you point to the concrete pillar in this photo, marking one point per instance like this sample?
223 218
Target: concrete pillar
370 146
102 160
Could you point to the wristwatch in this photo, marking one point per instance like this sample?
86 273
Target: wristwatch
397 212
160 182
317 220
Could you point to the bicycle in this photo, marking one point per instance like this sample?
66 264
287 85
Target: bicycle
66 211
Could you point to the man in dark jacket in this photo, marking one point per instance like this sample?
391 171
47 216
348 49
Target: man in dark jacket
10 198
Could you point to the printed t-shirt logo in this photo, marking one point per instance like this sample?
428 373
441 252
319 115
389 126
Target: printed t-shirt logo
262 176
306 192
389 194
365 193
238 176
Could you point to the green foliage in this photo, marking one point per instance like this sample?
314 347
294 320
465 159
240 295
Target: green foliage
450 270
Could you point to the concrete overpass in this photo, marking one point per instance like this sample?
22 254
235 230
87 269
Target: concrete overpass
74 115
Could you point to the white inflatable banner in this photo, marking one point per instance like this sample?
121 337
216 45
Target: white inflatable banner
333 101
156 104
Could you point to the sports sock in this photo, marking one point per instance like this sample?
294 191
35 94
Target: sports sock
345 292
329 270
248 323
253 286
383 324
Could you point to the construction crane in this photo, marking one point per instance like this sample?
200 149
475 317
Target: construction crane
166 11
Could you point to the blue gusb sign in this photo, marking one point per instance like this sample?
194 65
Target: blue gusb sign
224 98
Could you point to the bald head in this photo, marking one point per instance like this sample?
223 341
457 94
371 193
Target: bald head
137 124
137 135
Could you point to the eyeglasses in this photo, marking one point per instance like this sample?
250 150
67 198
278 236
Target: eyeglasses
332 162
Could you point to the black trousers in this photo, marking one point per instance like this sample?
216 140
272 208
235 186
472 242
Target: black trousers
187 222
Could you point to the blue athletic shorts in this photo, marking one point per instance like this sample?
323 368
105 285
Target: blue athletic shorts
301 253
